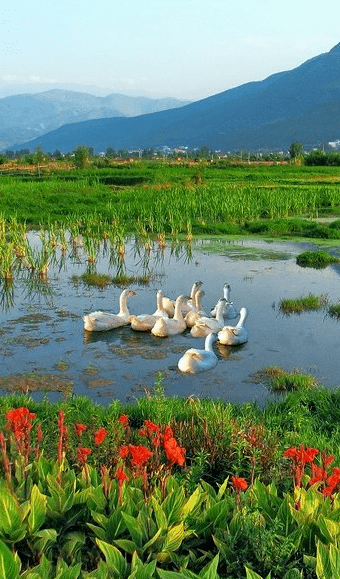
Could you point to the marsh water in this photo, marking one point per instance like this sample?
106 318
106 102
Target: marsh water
45 350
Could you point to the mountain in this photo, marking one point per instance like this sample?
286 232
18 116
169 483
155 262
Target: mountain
301 104
28 116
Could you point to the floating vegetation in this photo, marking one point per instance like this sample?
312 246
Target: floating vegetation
281 381
303 304
334 310
100 280
317 259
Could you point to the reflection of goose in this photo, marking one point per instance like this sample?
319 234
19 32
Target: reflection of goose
176 325
101 321
204 325
233 336
144 322
230 312
196 313
199 360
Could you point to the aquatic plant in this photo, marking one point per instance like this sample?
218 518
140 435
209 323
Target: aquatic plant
302 304
318 259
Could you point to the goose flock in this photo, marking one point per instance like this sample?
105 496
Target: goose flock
174 317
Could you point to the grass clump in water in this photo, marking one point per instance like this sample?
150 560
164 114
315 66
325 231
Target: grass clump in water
96 279
302 304
334 310
317 259
281 381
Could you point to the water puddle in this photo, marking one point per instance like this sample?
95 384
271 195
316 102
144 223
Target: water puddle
45 350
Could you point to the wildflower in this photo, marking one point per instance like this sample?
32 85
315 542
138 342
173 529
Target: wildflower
83 453
120 475
140 454
174 453
327 460
153 432
79 428
318 474
100 436
240 484
124 420
124 451
19 421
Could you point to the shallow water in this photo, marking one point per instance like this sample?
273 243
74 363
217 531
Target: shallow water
44 335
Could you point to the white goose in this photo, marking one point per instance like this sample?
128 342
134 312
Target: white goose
204 325
144 322
233 336
169 305
101 321
230 312
199 360
196 313
176 325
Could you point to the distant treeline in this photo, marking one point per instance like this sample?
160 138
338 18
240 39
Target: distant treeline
324 158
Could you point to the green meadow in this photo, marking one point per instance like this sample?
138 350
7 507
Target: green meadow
169 488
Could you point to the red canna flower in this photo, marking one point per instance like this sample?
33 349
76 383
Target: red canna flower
327 460
40 435
290 452
173 452
240 484
100 436
318 474
124 451
120 475
124 420
140 454
83 453
152 432
79 428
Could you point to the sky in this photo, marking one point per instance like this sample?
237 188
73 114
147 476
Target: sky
186 49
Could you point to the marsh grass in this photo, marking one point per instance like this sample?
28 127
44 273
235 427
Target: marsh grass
318 259
302 304
334 310
281 381
93 279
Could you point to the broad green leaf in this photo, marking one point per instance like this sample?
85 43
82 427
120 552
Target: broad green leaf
191 503
293 574
222 489
162 521
38 509
250 574
330 529
163 574
74 541
70 573
209 489
323 564
44 539
125 545
98 531
134 530
334 557
9 566
115 560
11 516
173 505
210 570
152 541
174 538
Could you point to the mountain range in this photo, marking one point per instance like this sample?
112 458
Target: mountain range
300 104
27 116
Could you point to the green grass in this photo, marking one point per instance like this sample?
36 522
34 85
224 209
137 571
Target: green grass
302 304
318 259
334 310
281 381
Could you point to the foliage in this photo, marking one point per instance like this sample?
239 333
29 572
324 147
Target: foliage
302 304
317 259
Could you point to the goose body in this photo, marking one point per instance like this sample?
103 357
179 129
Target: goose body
102 321
194 360
144 322
188 303
233 336
193 315
204 325
229 312
176 325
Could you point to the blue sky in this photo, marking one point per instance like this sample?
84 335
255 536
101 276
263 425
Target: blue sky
186 49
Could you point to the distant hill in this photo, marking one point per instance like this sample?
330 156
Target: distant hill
301 104
27 116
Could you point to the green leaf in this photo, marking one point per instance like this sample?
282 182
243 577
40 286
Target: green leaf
134 530
210 570
174 538
70 573
125 545
323 564
115 560
173 505
334 557
293 574
44 539
191 503
162 521
330 529
250 574
11 516
38 509
9 566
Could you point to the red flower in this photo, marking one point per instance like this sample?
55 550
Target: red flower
100 436
240 484
124 451
140 454
124 420
173 452
326 460
40 434
168 433
121 476
79 428
19 421
334 479
318 474
290 452
83 453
